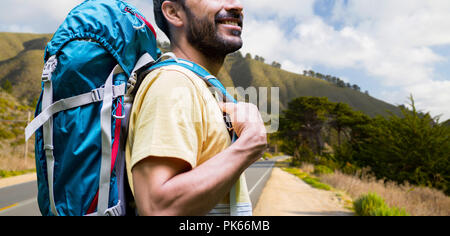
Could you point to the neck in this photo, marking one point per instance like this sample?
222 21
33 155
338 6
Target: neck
184 50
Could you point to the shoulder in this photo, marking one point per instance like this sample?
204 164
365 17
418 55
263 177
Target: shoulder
167 79
171 85
174 74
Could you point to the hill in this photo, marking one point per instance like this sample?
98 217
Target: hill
447 123
246 72
21 64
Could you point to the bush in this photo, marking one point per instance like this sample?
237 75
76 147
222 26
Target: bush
414 148
267 155
6 134
387 211
374 205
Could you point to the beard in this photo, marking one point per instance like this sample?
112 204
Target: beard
204 36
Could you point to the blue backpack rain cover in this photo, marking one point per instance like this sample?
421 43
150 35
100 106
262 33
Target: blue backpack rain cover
91 64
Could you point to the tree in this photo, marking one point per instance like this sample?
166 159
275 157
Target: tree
356 87
258 58
303 122
237 54
413 148
344 118
7 86
319 75
340 83
276 64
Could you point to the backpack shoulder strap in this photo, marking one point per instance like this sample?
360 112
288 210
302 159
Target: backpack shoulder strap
199 71
213 82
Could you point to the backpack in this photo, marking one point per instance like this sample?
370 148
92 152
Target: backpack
91 70
91 63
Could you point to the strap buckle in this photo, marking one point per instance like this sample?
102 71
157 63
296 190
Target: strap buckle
48 147
228 123
115 210
131 83
96 95
49 68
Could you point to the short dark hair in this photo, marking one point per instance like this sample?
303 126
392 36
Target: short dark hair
160 19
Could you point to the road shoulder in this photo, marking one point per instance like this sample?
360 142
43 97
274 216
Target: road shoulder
287 195
10 181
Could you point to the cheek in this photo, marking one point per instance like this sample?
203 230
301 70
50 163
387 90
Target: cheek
208 9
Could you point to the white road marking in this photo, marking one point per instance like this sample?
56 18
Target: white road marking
259 181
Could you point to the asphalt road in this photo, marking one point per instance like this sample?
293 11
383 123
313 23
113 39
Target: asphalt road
20 200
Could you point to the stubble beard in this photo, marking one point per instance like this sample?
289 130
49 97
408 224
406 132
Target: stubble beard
202 34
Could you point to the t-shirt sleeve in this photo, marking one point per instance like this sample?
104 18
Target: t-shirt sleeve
169 122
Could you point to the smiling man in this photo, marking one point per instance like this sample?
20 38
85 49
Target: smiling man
180 158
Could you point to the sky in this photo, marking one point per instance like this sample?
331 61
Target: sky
392 48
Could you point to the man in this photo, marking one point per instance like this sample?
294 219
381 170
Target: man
180 159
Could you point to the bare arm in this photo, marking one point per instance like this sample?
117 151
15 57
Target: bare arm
168 186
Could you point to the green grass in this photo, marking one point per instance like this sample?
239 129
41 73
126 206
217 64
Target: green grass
8 173
314 182
373 205
321 169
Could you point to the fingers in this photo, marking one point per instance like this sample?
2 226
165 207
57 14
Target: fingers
227 107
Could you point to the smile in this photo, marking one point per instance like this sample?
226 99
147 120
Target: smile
230 23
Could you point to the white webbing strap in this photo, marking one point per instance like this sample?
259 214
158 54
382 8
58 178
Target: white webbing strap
47 100
116 210
144 60
95 95
105 123
233 201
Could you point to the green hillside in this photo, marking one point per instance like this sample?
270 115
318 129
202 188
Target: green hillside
12 44
246 72
21 64
447 123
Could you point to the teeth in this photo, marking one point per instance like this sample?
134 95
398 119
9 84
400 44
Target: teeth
231 23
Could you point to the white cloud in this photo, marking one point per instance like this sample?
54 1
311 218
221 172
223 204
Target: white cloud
287 8
41 16
389 40
44 16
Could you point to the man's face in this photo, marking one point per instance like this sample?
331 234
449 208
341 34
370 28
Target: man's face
214 26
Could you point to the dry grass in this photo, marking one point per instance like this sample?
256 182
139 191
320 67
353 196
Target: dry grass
307 168
12 157
417 201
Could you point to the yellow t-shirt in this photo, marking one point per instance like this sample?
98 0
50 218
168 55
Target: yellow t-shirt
175 115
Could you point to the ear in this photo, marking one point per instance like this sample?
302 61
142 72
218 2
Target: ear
174 13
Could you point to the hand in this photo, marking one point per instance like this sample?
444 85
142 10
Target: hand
247 122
